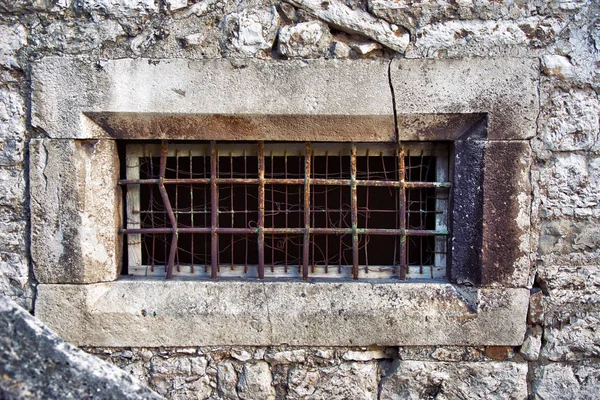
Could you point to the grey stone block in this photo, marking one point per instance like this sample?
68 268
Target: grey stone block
249 97
505 89
193 313
75 211
467 380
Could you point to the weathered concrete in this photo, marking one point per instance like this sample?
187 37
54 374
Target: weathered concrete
66 88
184 313
504 88
36 363
490 380
75 211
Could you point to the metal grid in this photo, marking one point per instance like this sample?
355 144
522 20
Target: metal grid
287 210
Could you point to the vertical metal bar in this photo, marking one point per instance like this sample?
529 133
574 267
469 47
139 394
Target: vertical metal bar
354 212
341 215
367 215
177 201
167 204
272 217
246 212
192 210
261 210
231 206
402 177
305 248
326 213
214 208
286 209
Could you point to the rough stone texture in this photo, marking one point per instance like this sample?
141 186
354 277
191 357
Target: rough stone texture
125 313
491 380
340 15
567 381
36 363
75 211
255 382
305 40
250 32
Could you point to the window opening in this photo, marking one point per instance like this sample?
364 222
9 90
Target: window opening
309 210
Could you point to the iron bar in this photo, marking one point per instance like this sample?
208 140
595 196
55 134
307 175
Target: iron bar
168 208
306 247
402 177
261 210
291 231
354 213
270 181
214 209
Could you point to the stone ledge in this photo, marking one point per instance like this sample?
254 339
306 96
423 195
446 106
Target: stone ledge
153 313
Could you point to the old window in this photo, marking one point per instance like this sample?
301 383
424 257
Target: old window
309 210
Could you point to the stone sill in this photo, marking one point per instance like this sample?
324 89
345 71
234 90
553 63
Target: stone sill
176 313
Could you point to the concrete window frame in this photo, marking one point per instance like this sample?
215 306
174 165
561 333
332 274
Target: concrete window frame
486 107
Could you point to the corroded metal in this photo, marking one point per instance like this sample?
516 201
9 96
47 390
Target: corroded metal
354 212
306 246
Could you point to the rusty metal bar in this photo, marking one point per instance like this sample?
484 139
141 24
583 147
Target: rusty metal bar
316 231
261 210
214 209
168 208
305 249
354 212
268 181
402 178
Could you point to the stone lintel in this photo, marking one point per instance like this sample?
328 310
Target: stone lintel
66 89
75 210
200 313
503 88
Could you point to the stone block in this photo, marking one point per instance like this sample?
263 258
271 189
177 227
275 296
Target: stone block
466 380
334 100
250 32
503 88
572 336
566 381
36 363
75 211
305 40
220 313
255 382
348 380
12 39
506 214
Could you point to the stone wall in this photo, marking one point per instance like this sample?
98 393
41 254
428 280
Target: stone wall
560 357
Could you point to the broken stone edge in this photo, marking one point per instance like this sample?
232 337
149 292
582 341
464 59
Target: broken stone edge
202 313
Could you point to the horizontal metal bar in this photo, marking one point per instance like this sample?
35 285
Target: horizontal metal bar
316 231
322 182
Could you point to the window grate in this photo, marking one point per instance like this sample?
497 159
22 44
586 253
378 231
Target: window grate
304 210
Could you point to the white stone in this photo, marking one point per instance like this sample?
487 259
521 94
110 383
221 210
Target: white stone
176 4
194 39
467 380
340 49
305 40
556 65
255 382
367 355
364 47
285 357
199 9
241 355
12 39
119 7
250 32
575 338
338 14
470 38
530 349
